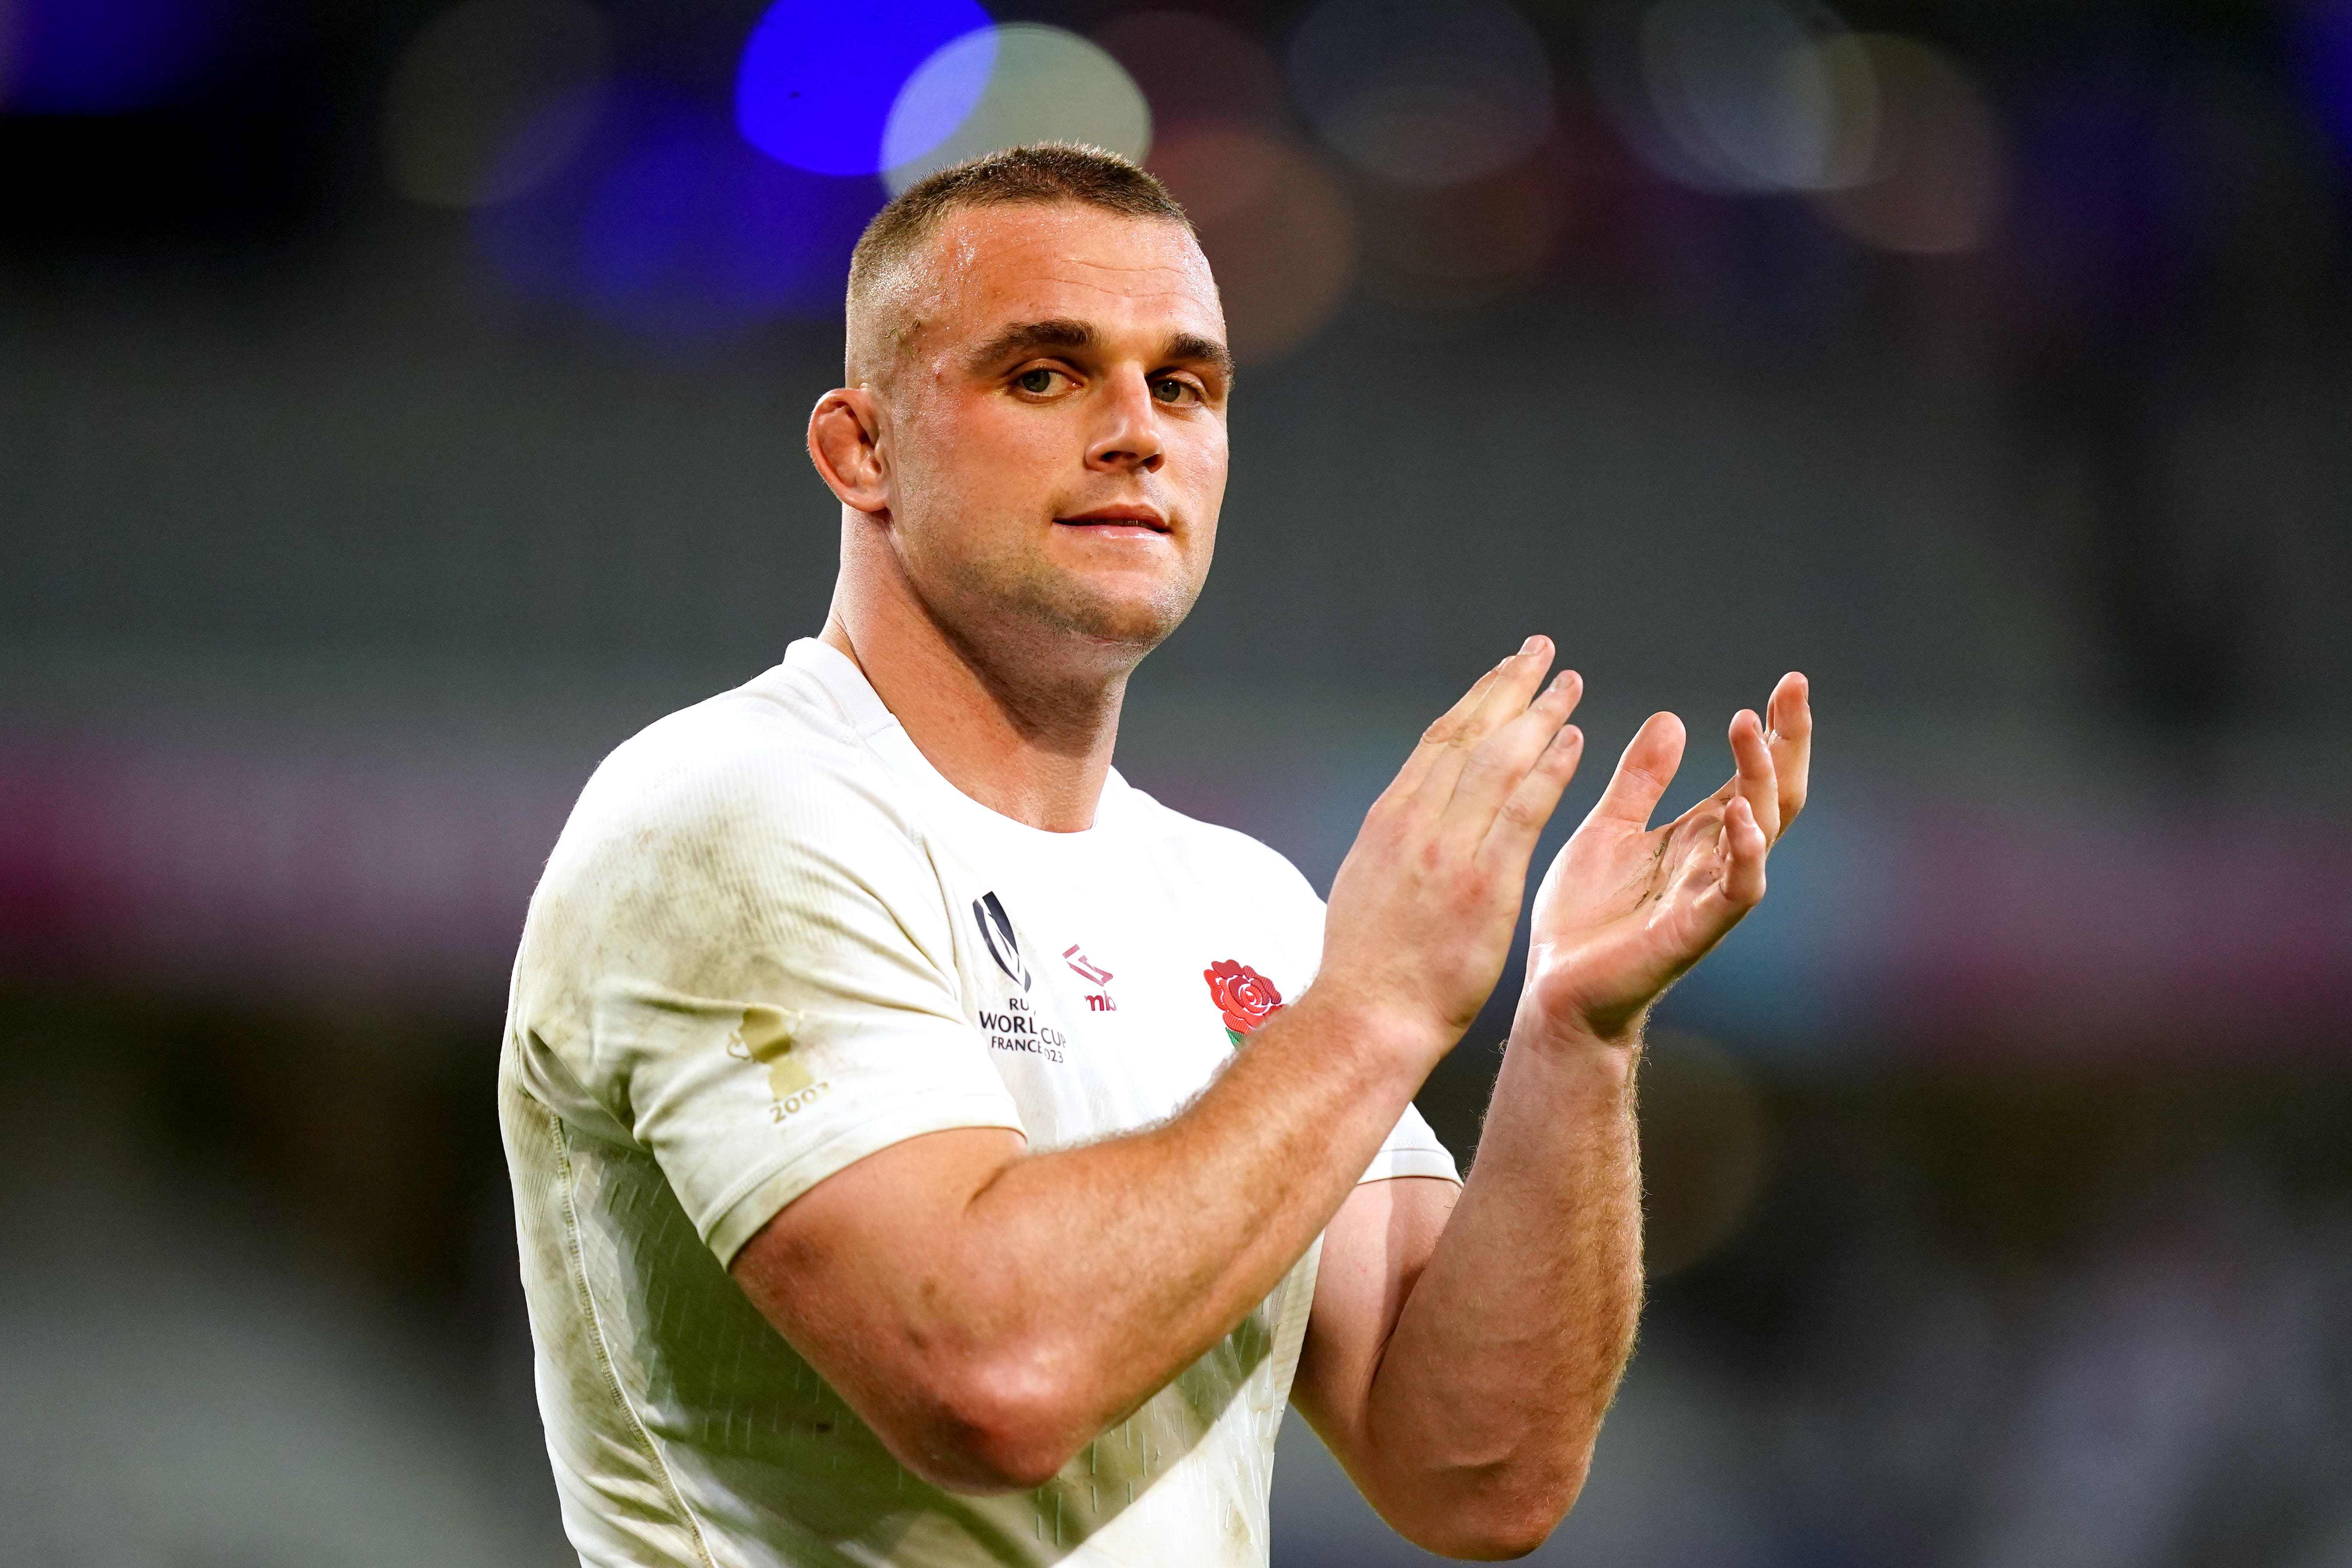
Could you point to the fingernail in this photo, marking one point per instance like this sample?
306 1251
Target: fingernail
1529 646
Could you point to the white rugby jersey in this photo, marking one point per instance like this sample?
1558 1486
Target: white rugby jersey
771 940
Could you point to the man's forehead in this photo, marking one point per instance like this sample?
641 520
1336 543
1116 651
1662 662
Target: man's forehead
1028 261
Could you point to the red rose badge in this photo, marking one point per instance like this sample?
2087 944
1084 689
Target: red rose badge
1244 996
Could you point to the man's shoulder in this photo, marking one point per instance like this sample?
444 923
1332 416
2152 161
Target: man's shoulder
775 756
781 712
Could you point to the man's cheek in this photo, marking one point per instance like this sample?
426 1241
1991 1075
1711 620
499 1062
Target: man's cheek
1014 457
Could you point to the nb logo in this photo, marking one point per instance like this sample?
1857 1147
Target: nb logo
996 931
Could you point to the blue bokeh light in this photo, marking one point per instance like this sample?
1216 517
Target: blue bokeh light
2322 46
668 225
106 56
819 77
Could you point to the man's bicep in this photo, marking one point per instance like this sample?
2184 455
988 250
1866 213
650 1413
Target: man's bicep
1373 1250
838 1267
860 1275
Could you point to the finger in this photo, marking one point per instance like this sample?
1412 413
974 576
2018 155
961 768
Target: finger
1519 822
1496 769
1507 697
1752 777
1435 739
1791 715
1642 772
1743 848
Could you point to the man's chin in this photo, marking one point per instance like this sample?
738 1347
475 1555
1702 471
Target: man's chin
1133 617
1051 612
1140 627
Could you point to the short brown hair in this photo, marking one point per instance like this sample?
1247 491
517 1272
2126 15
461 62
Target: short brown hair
1042 172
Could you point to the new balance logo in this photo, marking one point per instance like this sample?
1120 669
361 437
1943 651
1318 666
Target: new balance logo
1086 968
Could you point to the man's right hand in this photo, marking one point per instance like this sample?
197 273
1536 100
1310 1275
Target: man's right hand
1423 911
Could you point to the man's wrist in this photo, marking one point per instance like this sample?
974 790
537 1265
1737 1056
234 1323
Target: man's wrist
1573 1035
1384 1036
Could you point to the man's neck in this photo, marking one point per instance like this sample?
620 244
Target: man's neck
1034 748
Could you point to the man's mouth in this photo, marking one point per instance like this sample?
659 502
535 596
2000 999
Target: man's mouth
1118 521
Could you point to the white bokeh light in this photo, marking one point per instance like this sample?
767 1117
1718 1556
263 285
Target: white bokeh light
1003 87
1939 176
1741 95
1747 90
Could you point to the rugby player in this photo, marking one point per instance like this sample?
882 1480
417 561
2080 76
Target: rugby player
928 1149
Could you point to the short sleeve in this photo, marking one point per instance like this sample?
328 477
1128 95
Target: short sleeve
768 981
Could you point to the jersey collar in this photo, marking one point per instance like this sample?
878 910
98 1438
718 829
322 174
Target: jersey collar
880 729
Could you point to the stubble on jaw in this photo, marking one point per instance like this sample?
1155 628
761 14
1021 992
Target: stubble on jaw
1055 652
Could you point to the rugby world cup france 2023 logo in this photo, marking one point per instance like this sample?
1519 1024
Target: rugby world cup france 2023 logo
1245 997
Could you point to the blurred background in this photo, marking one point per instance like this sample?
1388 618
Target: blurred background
401 402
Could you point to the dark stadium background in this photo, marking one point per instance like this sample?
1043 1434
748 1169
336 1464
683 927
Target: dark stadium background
2000 1167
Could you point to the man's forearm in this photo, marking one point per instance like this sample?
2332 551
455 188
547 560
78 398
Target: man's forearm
1162 1241
1483 1410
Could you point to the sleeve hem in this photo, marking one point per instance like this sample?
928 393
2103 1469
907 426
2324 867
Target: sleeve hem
1391 1164
740 1218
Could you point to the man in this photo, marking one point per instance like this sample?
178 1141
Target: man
921 1139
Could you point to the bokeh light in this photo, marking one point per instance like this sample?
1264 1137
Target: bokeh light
2321 33
11 49
1887 136
493 98
938 99
1273 224
818 79
1748 93
1938 175
1194 69
1440 250
669 226
1273 221
1034 83
1738 95
1425 95
107 57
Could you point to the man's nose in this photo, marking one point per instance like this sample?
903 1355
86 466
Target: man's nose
1128 437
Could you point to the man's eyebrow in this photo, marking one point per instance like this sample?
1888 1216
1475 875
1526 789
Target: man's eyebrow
1026 337
1191 348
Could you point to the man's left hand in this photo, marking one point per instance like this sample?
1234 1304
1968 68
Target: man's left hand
1627 908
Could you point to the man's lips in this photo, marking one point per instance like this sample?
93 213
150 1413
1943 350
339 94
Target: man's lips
1118 521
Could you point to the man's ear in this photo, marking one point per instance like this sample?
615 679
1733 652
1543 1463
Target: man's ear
844 442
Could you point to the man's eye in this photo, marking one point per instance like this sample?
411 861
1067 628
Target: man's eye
1169 389
1037 380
